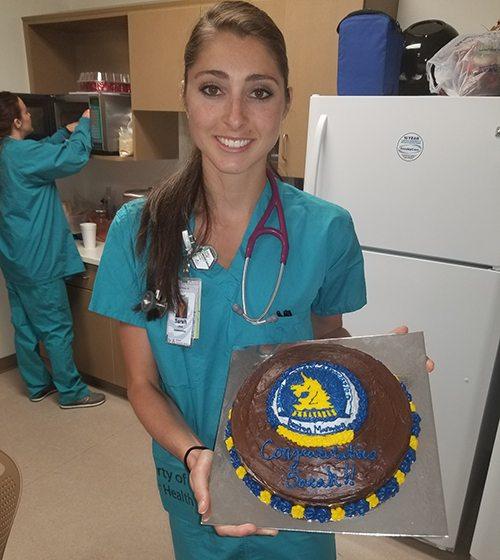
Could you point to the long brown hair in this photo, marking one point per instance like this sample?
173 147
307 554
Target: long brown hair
9 110
171 203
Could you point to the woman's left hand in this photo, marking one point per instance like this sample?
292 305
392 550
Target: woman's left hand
403 329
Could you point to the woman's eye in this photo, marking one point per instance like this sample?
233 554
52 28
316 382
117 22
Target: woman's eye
211 90
261 93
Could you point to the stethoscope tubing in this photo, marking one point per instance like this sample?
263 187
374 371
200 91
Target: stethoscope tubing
262 229
260 319
282 236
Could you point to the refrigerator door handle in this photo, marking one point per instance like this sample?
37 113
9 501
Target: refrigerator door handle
313 155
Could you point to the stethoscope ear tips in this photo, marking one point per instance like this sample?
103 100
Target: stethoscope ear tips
237 309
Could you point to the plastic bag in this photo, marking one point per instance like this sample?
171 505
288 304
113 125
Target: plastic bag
126 139
467 65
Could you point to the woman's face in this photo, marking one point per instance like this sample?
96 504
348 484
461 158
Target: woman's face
235 100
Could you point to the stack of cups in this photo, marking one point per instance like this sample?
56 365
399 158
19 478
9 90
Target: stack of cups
89 230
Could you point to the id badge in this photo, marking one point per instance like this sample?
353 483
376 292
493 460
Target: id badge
183 323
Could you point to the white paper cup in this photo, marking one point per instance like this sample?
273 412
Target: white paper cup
88 230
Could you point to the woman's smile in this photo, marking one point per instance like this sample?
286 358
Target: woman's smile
233 144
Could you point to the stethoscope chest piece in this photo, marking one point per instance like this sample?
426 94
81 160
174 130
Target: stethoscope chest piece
151 301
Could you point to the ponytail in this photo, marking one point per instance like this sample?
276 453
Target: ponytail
166 214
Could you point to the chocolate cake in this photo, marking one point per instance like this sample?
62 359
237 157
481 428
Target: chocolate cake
322 432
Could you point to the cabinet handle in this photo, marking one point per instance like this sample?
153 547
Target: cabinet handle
284 142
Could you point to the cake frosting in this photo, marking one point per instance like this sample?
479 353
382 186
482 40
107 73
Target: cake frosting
322 432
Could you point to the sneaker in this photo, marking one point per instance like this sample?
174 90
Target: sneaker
43 393
93 399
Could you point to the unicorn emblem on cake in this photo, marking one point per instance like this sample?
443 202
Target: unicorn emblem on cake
314 401
317 404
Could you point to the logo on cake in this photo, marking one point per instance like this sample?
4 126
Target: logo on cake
317 404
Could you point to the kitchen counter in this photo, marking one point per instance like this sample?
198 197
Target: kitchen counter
90 256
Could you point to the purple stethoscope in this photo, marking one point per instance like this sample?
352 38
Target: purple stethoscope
282 236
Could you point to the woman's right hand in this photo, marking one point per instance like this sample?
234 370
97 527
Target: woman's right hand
200 463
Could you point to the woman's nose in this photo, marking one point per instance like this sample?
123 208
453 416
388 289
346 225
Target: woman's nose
235 113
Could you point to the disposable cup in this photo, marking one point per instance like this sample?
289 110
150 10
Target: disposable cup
88 230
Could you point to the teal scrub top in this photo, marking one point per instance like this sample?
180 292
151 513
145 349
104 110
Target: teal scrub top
36 245
324 275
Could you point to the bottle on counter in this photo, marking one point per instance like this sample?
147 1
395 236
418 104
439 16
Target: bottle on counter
101 217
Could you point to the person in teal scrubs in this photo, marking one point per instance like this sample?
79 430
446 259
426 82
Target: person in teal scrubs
37 250
236 96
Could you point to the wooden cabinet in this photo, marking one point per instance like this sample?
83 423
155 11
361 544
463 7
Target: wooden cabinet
92 344
60 46
96 348
157 40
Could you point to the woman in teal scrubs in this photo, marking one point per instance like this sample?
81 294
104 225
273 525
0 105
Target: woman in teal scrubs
236 95
37 250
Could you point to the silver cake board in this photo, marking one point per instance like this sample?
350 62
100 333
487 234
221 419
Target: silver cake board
417 510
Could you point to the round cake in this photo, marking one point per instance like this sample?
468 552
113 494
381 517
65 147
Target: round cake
322 432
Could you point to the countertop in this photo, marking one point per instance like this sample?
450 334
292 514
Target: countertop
90 256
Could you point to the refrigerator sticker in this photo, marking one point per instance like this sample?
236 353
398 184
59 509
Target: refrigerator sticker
410 146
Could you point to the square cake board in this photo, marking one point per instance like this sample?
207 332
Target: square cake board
417 510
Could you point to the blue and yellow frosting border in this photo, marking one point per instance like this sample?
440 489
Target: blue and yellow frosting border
326 514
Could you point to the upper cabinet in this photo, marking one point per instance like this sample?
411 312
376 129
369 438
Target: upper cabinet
58 48
157 40
148 43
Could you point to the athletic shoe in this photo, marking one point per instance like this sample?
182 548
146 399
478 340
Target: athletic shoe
92 399
43 393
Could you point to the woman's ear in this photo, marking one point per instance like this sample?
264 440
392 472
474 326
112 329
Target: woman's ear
18 123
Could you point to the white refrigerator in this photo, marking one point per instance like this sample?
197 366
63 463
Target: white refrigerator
421 178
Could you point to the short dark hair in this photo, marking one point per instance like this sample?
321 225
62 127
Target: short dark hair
9 110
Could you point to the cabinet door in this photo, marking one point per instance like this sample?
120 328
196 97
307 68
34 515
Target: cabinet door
311 37
92 346
275 9
157 39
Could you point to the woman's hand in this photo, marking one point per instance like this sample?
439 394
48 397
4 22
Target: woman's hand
70 127
403 329
200 463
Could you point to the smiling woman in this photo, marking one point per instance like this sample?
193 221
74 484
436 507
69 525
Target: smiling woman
232 109
190 243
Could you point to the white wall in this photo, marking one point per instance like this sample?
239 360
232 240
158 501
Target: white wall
465 16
